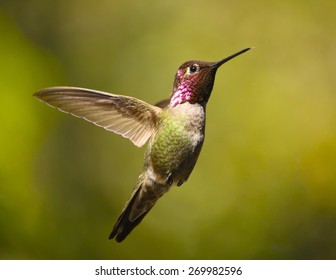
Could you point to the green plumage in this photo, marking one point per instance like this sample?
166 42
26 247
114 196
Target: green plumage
171 144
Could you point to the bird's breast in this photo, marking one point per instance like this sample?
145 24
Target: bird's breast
178 139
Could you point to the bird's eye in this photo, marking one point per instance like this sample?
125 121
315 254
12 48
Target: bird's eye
193 68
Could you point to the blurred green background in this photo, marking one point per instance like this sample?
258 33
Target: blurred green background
264 186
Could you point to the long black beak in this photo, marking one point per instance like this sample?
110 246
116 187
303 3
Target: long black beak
221 62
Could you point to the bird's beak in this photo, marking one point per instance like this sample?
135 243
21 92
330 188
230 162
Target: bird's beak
221 62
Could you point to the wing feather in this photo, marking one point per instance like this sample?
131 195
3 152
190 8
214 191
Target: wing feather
130 117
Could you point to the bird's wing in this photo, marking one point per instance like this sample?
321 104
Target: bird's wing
130 117
163 103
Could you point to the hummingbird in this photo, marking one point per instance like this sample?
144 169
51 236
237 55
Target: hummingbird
174 129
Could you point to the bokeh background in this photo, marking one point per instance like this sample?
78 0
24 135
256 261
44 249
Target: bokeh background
264 186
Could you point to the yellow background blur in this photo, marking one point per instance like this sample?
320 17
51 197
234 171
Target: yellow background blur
264 186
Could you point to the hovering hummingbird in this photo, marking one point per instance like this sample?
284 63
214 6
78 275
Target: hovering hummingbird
174 129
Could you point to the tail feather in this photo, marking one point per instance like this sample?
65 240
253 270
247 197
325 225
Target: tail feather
124 225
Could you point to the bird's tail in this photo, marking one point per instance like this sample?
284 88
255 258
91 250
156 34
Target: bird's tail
137 207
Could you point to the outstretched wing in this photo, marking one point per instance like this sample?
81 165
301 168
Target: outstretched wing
130 117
